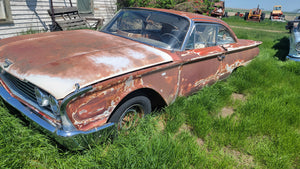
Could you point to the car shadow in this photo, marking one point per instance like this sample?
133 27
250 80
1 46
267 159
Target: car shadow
282 48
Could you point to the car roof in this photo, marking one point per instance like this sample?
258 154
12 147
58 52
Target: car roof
192 16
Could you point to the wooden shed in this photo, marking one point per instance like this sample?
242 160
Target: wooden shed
19 16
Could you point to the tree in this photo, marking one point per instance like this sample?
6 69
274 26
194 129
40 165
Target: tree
196 6
166 4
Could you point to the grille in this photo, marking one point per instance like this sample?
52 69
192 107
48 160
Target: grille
24 90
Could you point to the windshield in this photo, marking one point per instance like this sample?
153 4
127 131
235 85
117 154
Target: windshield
277 8
155 28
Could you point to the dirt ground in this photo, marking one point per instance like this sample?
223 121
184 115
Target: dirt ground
264 30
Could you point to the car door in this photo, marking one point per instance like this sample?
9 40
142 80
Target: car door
237 52
225 39
201 59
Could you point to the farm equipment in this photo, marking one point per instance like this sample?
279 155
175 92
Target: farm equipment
255 15
239 14
216 9
219 10
277 14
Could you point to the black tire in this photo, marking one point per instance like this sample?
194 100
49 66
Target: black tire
246 16
132 109
263 15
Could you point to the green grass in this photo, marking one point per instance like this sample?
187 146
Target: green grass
31 31
261 26
262 132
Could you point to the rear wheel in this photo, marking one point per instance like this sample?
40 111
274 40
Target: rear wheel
129 113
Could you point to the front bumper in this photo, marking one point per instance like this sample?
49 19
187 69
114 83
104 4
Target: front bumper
73 140
293 57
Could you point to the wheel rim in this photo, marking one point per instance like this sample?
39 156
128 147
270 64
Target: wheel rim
131 116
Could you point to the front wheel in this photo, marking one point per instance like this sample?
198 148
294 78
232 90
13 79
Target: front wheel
128 114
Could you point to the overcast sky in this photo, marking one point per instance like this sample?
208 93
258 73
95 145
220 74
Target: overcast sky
287 5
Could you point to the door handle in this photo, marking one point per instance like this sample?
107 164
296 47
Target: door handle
220 58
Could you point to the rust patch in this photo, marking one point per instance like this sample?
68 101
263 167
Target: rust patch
94 108
165 82
195 75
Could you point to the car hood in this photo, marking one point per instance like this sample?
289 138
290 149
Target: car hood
57 61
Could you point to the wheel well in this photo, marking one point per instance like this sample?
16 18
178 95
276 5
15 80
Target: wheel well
239 67
157 102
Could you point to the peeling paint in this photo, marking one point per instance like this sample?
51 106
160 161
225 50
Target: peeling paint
89 57
117 63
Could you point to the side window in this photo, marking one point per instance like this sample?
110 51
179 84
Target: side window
203 35
5 12
224 36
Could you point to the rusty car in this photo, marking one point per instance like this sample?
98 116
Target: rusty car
78 84
218 10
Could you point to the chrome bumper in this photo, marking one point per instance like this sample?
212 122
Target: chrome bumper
73 140
294 58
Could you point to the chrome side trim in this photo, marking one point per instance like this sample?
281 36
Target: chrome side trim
71 139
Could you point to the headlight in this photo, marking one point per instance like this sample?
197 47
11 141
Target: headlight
298 47
41 97
45 100
54 105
